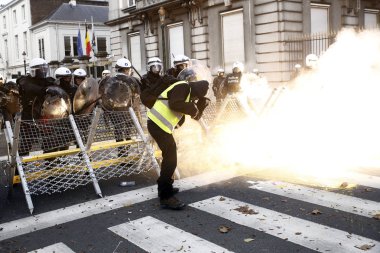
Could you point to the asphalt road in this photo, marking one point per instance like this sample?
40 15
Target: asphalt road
225 213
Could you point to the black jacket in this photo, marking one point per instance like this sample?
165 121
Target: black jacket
32 93
177 96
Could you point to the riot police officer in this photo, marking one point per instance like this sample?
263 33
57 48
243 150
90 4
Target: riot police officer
232 82
153 83
33 88
79 75
124 73
217 84
180 62
63 77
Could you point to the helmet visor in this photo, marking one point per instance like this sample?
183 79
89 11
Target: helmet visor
40 71
155 68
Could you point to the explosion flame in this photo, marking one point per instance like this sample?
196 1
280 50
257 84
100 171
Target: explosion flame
324 126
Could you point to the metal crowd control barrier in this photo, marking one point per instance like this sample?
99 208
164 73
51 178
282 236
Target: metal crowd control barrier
233 107
59 154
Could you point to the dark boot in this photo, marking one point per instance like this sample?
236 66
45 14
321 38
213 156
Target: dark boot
172 203
175 190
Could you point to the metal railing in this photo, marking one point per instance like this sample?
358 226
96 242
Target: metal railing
299 46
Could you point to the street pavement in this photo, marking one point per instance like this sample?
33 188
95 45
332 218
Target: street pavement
226 212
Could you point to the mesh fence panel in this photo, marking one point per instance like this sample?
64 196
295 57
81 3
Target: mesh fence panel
47 135
56 174
117 150
215 113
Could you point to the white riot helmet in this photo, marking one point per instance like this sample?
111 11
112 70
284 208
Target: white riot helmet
62 72
181 59
106 72
39 68
80 73
154 65
311 61
237 67
220 72
123 63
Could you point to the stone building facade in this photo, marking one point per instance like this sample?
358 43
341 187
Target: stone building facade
218 32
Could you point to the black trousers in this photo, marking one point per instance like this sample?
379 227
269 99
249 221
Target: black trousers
168 147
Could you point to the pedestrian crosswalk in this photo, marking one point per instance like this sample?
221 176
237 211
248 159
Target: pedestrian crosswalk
55 248
155 233
333 200
311 235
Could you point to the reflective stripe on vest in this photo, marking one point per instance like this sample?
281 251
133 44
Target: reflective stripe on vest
162 115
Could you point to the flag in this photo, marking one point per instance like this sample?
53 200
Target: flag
87 42
93 41
79 44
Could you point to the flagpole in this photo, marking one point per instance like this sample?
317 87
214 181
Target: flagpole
93 50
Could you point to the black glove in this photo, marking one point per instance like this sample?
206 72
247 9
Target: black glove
201 105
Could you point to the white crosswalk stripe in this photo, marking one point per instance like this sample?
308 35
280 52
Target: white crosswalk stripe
362 179
153 235
86 209
55 248
333 200
305 233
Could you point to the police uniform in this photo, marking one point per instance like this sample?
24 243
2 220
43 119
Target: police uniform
217 85
232 83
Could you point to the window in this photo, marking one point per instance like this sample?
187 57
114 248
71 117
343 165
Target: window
175 40
4 22
16 47
41 48
14 17
67 45
25 42
131 3
101 44
75 46
232 38
23 12
135 50
6 49
70 45
371 19
319 18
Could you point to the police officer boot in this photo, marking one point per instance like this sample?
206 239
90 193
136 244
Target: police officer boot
172 203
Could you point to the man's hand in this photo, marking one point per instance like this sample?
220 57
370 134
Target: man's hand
201 105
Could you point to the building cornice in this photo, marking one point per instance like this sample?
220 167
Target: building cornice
136 13
59 22
10 4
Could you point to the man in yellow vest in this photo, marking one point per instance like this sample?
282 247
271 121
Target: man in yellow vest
168 112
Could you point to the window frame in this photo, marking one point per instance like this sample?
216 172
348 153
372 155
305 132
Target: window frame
23 13
320 6
98 38
17 47
41 48
372 11
221 16
169 53
130 54
15 17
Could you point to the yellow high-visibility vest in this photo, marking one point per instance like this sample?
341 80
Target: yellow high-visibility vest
162 115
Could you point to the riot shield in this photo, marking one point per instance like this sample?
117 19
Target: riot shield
86 96
56 104
116 94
